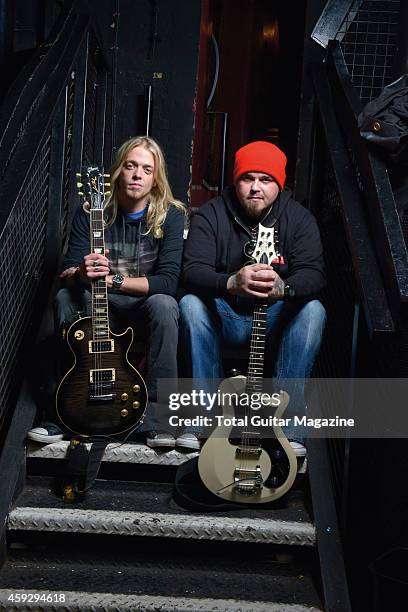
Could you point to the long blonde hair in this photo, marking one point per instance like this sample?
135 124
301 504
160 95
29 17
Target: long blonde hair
161 196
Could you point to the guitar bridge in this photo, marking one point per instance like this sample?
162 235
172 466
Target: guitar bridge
248 481
102 392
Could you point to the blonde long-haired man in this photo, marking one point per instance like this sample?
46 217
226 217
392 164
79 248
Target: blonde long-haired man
144 241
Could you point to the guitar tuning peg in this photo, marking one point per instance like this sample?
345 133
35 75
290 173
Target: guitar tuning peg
106 175
81 193
107 184
107 193
79 185
78 174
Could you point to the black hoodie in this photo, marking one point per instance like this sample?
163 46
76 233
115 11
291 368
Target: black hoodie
219 231
133 251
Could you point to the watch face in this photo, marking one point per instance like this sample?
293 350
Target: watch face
117 280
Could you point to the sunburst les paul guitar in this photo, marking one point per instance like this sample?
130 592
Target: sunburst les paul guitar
239 469
101 393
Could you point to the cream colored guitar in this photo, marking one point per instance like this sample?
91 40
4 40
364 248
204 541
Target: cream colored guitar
244 472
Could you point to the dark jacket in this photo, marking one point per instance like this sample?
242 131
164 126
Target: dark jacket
215 246
133 251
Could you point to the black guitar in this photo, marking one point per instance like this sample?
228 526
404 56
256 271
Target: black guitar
102 393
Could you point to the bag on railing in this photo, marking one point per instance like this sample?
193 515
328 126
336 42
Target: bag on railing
384 121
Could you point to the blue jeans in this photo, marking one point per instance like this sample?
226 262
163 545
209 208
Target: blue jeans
293 338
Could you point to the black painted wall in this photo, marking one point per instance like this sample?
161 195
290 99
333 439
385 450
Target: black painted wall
146 42
157 44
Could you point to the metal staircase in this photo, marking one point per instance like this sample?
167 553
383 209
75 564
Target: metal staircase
129 546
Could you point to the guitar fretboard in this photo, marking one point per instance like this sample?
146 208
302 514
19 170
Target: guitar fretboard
257 349
100 317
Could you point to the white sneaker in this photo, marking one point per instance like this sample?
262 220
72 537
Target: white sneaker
298 449
188 441
46 433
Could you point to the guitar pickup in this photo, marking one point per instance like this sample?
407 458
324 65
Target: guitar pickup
101 376
248 451
101 346
251 435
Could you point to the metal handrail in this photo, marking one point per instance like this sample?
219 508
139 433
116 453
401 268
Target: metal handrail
365 266
18 167
374 183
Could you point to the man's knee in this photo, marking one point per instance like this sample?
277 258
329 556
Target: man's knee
314 314
65 307
193 311
162 307
311 321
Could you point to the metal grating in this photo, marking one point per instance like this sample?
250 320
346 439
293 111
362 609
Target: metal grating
26 223
22 257
23 127
369 39
67 158
90 104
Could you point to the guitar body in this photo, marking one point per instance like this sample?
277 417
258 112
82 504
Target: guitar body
101 393
240 473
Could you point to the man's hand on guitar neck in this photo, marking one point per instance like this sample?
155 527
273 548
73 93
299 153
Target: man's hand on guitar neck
257 280
97 266
94 266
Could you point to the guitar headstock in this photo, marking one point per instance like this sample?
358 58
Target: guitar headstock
263 249
92 185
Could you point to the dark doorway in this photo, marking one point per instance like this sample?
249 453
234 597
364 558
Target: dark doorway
248 85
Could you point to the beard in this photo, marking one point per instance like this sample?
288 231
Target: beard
252 209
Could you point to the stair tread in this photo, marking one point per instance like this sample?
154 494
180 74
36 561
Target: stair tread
148 509
115 452
163 573
107 602
153 497
132 452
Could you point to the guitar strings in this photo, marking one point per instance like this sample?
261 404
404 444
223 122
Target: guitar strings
265 253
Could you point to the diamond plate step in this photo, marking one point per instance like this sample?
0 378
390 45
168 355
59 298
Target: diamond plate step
148 509
125 453
155 524
106 602
114 453
129 453
206 576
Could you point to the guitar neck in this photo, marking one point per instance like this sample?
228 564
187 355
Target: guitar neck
100 315
257 349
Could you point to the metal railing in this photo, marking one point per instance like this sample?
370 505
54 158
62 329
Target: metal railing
52 121
374 185
367 271
369 39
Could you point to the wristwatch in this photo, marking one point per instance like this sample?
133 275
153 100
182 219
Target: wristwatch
289 291
117 281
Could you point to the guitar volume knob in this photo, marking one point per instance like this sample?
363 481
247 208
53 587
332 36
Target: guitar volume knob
136 404
136 388
124 413
124 397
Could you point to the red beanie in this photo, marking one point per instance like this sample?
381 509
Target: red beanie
261 156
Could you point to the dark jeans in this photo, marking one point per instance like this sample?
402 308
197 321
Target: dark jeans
154 319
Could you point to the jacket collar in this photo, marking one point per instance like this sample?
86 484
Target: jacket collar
270 217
